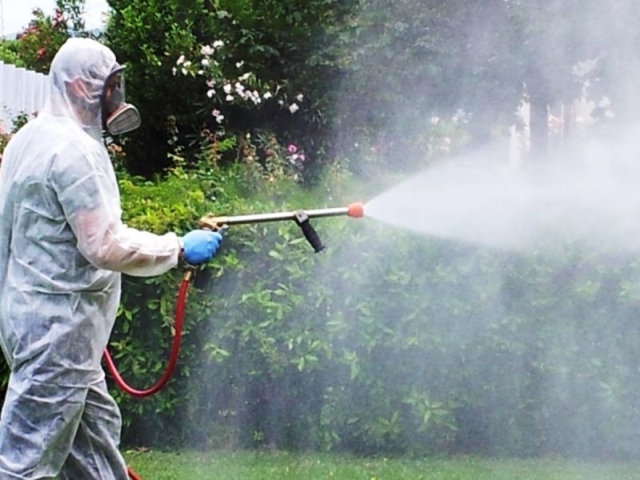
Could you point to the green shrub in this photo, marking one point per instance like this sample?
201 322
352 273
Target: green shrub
385 342
36 46
278 44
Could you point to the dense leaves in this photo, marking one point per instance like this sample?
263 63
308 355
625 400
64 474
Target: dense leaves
38 43
274 41
386 342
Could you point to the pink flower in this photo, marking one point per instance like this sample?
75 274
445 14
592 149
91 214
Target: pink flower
292 148
57 20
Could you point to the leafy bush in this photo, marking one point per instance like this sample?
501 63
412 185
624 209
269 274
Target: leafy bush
36 46
143 330
9 55
274 43
385 342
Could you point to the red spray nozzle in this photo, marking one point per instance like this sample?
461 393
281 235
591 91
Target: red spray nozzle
355 210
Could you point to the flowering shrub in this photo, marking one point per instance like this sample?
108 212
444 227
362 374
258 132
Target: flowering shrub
280 161
238 67
265 156
241 88
268 164
39 42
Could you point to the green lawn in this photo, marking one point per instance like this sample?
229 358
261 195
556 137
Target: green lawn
222 465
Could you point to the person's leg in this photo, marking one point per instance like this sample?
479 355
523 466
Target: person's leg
37 427
95 453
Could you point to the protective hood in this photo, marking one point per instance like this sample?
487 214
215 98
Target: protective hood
78 74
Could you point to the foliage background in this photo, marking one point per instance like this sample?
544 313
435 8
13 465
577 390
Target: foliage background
386 342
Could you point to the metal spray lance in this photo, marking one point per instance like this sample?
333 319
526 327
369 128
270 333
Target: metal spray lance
301 217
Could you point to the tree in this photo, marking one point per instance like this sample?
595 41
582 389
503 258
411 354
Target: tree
278 41
39 42
405 62
615 36
551 40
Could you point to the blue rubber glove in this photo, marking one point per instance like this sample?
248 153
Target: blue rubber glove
199 246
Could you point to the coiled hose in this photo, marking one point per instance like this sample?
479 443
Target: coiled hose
173 356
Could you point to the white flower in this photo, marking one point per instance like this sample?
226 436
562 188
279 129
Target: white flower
174 70
200 72
267 95
205 62
240 64
239 88
299 97
227 88
255 97
187 64
219 117
211 83
229 98
293 108
207 50
211 93
218 44
180 60
184 71
245 76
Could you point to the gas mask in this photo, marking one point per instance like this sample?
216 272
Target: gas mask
118 117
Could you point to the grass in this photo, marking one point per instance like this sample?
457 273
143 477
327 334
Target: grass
223 465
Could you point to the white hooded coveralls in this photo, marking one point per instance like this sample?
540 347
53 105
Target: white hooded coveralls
62 248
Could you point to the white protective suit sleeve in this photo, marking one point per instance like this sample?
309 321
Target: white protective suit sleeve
114 246
88 192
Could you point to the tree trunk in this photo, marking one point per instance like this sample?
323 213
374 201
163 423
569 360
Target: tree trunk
538 124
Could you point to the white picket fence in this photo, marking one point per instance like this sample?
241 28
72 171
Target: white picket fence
22 92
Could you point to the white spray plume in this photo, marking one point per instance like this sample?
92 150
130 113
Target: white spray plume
589 195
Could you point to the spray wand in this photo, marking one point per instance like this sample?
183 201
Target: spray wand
301 217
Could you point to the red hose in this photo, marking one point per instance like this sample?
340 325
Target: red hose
173 357
133 475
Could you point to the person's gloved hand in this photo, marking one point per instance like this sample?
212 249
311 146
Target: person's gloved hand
199 246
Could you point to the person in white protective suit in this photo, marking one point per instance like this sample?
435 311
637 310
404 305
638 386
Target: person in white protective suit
63 247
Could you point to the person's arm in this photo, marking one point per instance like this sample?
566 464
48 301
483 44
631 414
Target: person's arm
88 193
114 246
